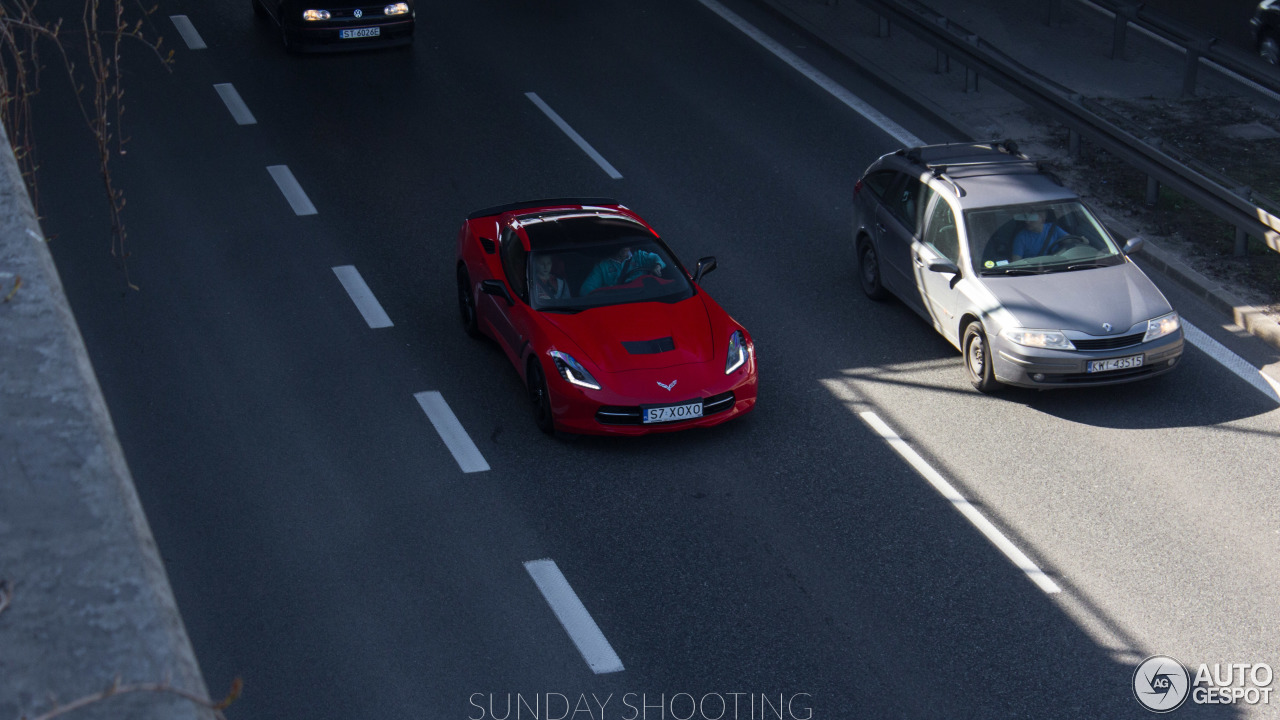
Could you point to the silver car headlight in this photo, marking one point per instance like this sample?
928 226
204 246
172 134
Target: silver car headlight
1161 326
1048 339
313 15
396 8
573 372
737 352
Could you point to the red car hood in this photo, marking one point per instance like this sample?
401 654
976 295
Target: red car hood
648 329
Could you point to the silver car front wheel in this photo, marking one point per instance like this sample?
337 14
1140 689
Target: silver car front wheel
977 359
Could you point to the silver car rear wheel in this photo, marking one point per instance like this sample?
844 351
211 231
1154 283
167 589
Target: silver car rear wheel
869 270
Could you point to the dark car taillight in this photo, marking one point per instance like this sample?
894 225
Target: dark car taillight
857 188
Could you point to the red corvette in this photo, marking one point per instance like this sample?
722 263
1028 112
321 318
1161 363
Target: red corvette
610 332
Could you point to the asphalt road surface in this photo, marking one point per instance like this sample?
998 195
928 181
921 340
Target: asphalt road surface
325 543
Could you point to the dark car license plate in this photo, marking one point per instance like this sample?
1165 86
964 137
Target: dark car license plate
361 33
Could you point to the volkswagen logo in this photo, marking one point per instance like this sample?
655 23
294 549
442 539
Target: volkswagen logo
1106 326
359 12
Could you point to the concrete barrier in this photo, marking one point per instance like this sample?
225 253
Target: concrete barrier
89 600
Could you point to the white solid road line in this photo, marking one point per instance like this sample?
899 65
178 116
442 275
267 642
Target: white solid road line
231 98
1231 361
854 102
451 432
574 136
188 32
574 617
362 296
293 192
957 500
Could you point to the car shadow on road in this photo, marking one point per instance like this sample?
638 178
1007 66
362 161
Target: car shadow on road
1200 393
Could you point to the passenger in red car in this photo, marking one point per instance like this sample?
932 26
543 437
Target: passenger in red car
622 267
546 284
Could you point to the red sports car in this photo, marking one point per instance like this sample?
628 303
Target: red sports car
611 333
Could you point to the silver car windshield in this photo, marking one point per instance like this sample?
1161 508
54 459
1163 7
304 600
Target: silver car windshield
1038 238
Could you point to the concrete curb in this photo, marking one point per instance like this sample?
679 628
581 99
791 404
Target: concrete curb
1247 316
90 599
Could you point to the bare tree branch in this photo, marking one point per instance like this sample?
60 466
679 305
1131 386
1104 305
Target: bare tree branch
115 688
21 36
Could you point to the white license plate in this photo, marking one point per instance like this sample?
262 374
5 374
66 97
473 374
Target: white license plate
1123 363
361 33
669 413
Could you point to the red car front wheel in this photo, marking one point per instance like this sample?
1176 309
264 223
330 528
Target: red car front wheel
539 400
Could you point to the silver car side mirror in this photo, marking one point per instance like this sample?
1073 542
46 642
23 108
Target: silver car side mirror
943 265
1133 245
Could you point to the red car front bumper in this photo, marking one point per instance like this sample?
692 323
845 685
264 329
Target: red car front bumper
616 408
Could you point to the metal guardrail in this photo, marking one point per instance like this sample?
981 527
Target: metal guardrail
1195 43
1066 107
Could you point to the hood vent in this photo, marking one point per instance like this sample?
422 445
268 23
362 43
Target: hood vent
649 347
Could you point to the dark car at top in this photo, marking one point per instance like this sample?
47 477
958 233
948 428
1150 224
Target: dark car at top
642 350
335 25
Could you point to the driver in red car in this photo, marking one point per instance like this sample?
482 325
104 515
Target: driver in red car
622 267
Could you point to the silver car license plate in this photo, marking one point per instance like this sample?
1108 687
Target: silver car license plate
670 413
361 33
1121 363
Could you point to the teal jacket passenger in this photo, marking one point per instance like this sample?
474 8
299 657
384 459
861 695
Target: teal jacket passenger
622 268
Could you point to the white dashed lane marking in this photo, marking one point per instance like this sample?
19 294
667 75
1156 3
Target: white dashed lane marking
231 98
293 192
188 32
455 438
362 296
573 615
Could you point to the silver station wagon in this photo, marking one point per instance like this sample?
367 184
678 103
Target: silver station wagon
1010 267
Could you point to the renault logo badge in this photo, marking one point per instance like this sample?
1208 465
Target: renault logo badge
359 12
1106 326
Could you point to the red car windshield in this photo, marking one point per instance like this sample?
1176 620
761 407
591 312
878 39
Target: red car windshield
628 270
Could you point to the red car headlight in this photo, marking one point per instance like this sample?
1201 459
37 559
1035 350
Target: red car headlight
572 371
737 352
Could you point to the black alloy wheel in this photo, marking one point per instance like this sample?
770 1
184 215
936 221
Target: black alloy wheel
539 400
467 304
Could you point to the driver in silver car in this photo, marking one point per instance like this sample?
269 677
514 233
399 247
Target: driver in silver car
1036 238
